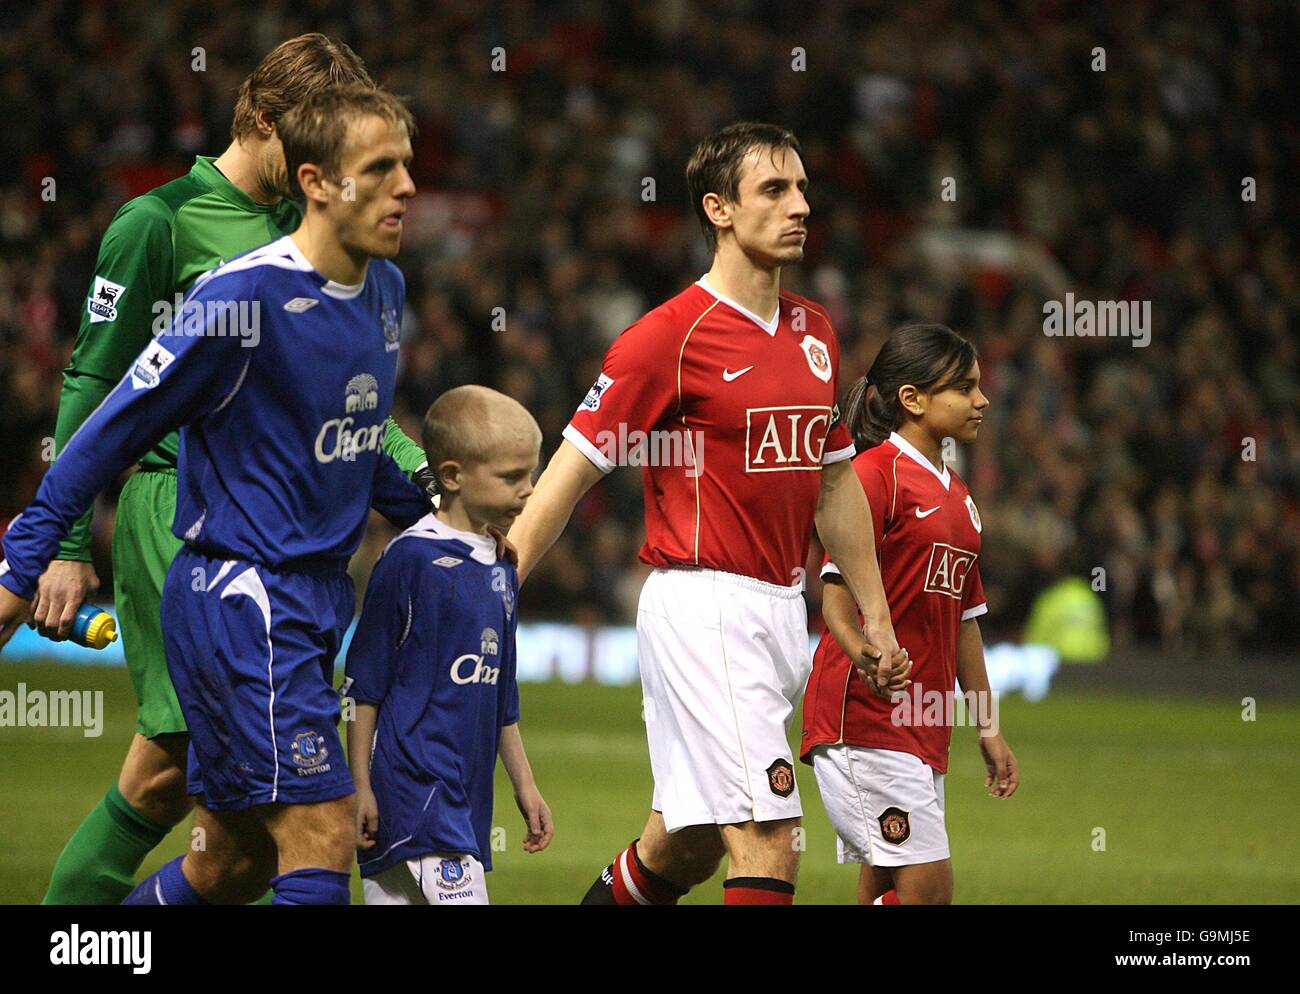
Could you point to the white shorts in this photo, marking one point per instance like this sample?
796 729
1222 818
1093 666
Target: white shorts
886 806
429 880
724 661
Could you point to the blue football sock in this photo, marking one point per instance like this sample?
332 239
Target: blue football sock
167 886
312 885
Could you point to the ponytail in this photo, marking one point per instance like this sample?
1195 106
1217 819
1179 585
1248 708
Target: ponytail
927 356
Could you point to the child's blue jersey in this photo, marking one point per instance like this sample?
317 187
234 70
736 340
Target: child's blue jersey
283 380
435 652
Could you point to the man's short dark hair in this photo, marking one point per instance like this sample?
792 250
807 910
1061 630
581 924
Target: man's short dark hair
315 130
714 166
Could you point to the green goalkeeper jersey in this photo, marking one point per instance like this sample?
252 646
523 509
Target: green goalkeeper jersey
155 247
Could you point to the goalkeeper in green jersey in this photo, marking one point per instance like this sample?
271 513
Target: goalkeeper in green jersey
156 246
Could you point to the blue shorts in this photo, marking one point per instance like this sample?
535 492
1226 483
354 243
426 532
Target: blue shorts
251 653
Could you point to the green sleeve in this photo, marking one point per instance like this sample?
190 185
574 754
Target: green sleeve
132 272
81 395
405 451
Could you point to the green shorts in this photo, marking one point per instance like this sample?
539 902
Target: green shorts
143 549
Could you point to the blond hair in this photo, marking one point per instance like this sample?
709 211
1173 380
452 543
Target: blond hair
471 423
289 73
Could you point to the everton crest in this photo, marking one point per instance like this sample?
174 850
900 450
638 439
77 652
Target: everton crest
392 328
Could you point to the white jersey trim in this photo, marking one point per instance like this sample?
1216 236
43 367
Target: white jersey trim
768 326
281 253
339 291
483 547
580 442
375 859
681 356
906 447
239 266
839 455
342 291
830 569
238 384
249 583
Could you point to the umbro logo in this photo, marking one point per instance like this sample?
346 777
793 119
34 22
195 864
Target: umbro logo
300 304
448 561
728 375
926 514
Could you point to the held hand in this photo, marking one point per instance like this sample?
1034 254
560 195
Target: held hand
367 819
537 817
60 592
891 656
1003 776
900 670
867 660
13 612
505 549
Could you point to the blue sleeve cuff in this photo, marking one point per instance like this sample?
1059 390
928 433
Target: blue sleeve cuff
14 584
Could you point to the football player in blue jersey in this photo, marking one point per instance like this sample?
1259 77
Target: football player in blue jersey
431 669
280 461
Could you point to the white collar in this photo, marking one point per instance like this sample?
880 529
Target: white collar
339 291
768 326
483 548
907 448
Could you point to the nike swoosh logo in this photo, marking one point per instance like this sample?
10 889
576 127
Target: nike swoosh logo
728 375
926 514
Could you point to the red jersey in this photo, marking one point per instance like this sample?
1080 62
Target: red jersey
734 418
927 531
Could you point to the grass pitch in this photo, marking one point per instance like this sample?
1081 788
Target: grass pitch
1196 804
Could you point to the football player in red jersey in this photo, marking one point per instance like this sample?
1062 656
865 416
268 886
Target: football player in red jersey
731 386
880 758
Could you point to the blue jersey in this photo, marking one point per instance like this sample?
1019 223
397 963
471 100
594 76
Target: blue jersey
283 381
435 652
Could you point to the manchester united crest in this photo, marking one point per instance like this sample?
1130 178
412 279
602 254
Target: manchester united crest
818 356
974 513
780 777
895 826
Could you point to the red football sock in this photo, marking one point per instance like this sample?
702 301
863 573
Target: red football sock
634 884
757 890
888 897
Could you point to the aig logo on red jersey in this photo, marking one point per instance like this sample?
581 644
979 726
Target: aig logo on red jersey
778 439
947 571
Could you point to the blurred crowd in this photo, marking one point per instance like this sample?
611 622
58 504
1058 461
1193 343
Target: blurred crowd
1115 151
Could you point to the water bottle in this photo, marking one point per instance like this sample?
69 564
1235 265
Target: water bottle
93 627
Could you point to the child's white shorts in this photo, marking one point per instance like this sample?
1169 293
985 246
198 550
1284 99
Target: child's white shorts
886 806
429 880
